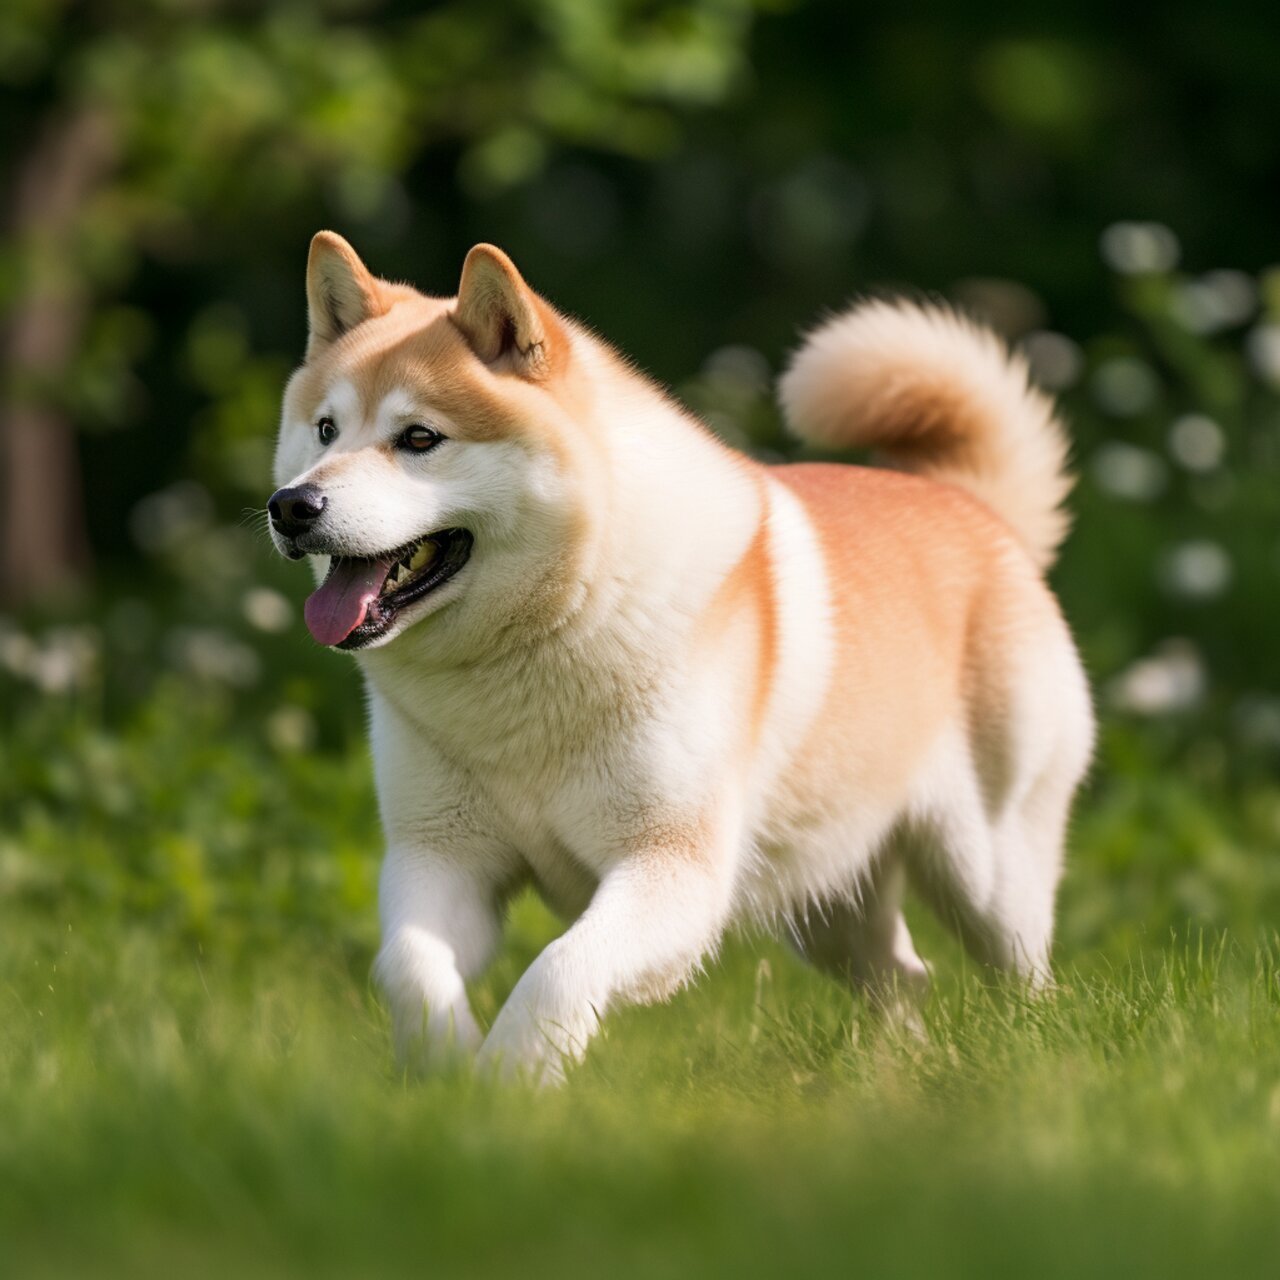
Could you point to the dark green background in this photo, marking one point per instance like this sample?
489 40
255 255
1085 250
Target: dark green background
698 181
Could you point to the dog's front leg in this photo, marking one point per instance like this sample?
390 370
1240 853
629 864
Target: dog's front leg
440 893
652 920
440 925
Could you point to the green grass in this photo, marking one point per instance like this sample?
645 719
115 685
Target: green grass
195 1078
233 1111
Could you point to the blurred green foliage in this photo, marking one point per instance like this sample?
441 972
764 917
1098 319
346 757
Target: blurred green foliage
698 180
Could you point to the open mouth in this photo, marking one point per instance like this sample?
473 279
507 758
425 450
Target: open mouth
361 596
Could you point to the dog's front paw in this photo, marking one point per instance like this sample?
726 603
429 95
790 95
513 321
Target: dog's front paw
542 1030
432 1024
429 1045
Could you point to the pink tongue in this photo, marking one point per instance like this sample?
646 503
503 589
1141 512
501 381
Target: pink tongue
339 604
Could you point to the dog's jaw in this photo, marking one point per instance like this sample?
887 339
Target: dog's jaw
368 600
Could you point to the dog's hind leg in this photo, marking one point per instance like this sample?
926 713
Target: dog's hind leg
990 817
995 882
865 942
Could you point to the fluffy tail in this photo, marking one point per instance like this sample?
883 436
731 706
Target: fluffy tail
935 393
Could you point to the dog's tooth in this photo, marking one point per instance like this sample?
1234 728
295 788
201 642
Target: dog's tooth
423 556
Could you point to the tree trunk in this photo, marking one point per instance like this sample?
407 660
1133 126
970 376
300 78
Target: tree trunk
44 550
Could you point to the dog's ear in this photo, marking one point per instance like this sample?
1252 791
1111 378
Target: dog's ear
502 318
341 290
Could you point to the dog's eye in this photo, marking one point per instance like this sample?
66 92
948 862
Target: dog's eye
418 439
327 430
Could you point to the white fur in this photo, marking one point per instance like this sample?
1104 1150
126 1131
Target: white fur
603 758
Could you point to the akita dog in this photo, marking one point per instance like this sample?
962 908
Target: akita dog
671 687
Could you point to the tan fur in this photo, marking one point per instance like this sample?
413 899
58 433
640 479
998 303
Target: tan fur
746 599
902 608
674 687
936 394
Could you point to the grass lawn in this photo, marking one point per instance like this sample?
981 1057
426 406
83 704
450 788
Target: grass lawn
194 1073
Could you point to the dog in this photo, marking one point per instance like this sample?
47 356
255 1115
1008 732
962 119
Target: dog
670 686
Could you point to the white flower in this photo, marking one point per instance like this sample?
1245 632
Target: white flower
1140 248
1196 570
214 655
1216 301
266 610
1127 471
1170 679
63 660
1263 346
1056 362
1197 442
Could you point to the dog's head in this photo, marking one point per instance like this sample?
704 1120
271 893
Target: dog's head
429 456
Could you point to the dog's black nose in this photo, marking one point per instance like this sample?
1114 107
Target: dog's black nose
292 510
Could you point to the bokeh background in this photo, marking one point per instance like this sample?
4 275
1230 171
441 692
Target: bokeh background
698 180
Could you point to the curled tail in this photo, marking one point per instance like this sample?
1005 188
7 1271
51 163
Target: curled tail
937 394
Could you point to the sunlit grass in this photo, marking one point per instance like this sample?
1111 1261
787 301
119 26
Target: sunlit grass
232 1108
